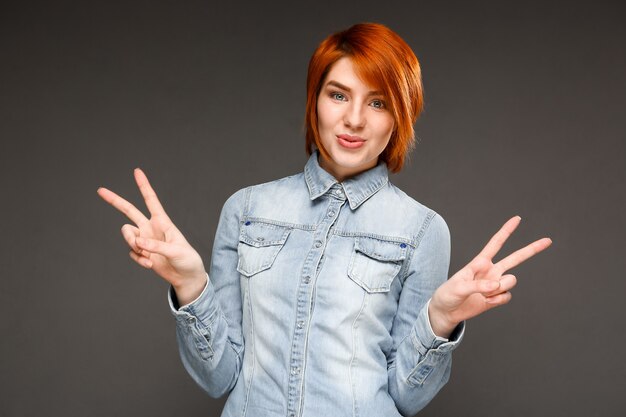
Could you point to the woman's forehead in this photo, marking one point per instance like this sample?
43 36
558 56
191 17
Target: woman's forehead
344 73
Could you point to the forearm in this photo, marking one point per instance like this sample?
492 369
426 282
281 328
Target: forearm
413 388
210 351
421 366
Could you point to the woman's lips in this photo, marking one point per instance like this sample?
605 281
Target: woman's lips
349 141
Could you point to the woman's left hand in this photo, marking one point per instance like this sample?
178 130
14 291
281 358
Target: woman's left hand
480 285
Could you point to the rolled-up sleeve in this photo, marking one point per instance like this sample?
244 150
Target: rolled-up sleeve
420 362
209 329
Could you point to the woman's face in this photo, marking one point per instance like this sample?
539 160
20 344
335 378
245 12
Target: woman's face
353 121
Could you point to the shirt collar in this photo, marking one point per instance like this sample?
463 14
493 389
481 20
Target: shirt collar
358 188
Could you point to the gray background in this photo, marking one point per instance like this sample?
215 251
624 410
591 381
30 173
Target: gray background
523 116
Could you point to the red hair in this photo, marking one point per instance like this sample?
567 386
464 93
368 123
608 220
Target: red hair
382 59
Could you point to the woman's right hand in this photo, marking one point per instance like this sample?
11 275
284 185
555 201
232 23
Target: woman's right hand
157 244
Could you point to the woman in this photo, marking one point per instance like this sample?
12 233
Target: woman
327 291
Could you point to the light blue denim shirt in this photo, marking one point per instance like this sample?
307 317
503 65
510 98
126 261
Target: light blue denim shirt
317 300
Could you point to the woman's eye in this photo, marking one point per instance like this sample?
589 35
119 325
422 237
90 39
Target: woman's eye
338 96
379 104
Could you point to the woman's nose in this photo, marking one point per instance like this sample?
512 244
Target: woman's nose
354 116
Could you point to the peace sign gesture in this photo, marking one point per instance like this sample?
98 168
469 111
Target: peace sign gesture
157 244
481 284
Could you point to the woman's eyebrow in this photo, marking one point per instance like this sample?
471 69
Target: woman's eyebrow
346 88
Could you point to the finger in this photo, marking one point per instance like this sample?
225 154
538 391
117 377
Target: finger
507 282
122 205
523 254
141 260
499 299
479 265
130 233
495 243
157 246
150 197
464 289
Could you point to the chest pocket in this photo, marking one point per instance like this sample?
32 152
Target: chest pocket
259 243
375 263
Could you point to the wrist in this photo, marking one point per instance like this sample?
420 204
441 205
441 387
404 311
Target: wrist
440 323
190 289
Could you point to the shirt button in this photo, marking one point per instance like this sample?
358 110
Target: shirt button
260 239
300 324
331 213
295 370
338 192
307 279
318 243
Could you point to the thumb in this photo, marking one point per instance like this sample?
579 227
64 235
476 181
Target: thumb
157 246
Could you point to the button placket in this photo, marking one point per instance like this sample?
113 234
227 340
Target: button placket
305 303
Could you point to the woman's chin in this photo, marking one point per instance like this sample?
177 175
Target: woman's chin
349 165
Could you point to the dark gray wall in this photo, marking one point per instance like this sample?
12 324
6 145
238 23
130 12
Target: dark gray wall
524 105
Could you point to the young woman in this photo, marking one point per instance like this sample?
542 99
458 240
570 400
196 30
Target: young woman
327 291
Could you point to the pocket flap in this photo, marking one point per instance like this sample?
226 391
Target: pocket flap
381 250
259 234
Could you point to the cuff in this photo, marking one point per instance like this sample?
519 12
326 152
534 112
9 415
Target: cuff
203 307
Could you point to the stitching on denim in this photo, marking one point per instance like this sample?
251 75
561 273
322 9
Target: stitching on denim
252 355
428 366
417 345
252 241
395 239
246 206
353 361
278 223
309 181
420 235
228 339
271 247
365 195
362 249
418 239
356 277
404 269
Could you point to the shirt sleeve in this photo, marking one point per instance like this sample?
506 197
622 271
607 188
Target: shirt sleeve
420 362
209 329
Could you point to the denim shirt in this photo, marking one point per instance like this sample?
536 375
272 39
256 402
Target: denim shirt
317 300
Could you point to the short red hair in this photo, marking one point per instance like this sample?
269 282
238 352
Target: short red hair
382 59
